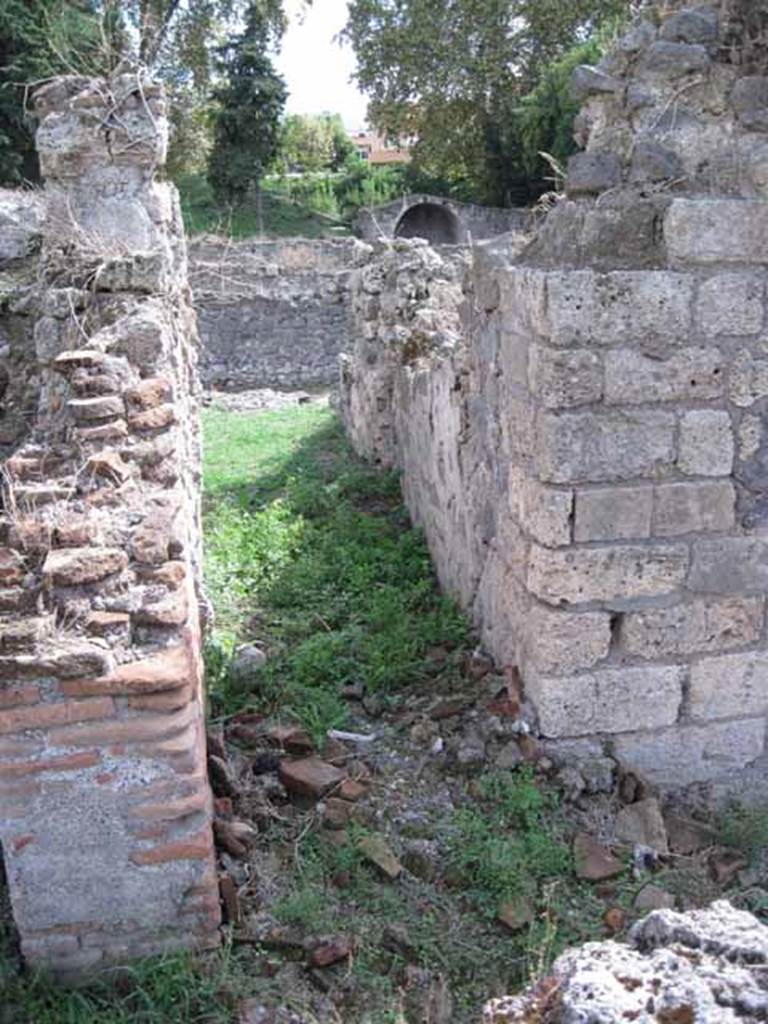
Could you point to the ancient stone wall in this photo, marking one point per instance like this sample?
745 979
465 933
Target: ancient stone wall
589 459
438 220
21 216
272 314
104 800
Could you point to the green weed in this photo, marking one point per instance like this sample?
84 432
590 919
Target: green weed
159 991
309 549
505 846
745 828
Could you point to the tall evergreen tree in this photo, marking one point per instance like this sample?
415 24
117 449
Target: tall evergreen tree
38 39
250 103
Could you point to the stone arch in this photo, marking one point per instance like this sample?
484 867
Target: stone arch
433 221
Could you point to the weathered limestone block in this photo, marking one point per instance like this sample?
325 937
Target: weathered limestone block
750 100
612 573
685 754
561 642
21 216
748 379
705 966
706 443
607 700
732 684
564 379
613 513
649 309
707 231
584 447
592 173
633 378
729 565
731 304
700 507
674 60
702 625
543 512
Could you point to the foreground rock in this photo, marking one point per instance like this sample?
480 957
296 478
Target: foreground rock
704 967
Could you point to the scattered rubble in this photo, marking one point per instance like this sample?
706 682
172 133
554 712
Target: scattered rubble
703 967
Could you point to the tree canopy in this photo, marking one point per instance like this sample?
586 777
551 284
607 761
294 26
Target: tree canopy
249 105
178 40
314 142
452 73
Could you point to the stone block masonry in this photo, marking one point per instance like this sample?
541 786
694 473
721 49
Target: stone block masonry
580 425
105 821
272 313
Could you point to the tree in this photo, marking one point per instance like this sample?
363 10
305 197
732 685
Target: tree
39 39
314 142
451 74
247 119
178 39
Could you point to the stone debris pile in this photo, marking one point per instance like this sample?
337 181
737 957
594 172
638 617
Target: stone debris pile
703 967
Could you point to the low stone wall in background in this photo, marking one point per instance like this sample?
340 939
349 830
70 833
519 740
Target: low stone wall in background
272 314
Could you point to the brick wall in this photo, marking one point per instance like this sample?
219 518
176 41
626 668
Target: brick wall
588 457
104 799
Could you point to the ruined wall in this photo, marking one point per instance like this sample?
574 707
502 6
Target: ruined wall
472 222
104 800
21 215
272 314
589 462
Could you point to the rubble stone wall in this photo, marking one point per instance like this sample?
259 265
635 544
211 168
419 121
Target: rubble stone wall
272 314
587 452
104 800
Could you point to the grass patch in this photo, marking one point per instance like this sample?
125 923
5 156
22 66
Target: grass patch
159 991
315 559
745 828
506 845
280 217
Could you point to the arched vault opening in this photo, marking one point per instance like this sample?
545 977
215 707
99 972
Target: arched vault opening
438 224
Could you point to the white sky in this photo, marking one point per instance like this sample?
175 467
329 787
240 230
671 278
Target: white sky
316 69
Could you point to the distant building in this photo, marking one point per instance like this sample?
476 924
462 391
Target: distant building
378 149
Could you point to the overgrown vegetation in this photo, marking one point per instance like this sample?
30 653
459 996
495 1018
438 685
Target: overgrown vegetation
453 77
317 562
309 552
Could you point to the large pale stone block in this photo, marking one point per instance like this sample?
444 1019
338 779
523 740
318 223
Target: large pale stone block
562 379
748 379
543 512
706 443
731 305
703 625
560 642
689 374
626 308
607 700
592 447
523 293
706 231
729 565
613 513
691 753
698 507
733 684
614 574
